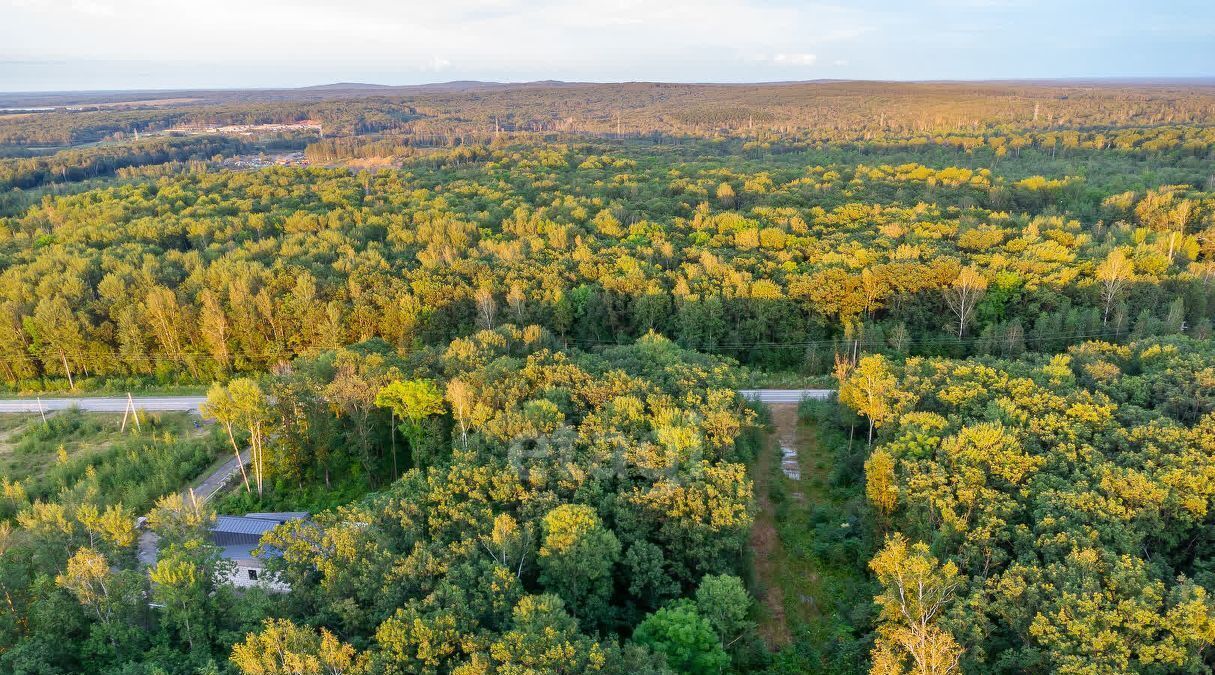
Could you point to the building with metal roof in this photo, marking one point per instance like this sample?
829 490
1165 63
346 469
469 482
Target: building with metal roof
230 530
238 537
279 516
248 529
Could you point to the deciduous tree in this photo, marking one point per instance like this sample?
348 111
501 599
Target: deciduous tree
964 294
411 401
916 590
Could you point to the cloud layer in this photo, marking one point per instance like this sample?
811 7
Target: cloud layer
285 42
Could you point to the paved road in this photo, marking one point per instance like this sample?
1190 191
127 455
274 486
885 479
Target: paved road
118 404
785 395
219 478
114 404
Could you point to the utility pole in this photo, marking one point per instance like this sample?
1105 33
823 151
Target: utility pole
130 410
66 369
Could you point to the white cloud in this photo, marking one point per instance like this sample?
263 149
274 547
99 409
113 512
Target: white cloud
93 7
794 59
473 33
170 43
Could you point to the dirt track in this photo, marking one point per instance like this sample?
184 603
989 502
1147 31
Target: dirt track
766 546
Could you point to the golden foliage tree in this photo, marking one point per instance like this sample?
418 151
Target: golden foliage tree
872 390
916 589
283 648
964 294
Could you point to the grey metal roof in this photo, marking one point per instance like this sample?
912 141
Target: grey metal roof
243 525
243 553
279 516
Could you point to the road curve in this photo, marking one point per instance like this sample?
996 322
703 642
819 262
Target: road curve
785 395
112 404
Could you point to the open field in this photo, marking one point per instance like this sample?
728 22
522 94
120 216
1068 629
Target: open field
30 447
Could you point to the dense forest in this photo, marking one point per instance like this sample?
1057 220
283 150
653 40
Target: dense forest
462 112
1044 514
772 259
491 338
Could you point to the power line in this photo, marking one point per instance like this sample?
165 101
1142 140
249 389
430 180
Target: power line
287 353
830 342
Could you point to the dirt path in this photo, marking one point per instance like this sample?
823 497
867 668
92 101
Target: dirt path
789 483
766 545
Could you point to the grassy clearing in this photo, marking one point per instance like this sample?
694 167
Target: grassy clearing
87 456
826 538
33 447
11 422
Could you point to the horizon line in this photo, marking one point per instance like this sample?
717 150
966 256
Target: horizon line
340 85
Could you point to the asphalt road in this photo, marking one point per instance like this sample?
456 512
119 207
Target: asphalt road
114 404
785 395
117 404
217 479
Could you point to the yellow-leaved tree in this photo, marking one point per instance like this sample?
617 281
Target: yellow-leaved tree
871 389
881 485
283 648
916 589
1114 273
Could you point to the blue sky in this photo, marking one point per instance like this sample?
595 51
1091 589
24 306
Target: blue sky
119 44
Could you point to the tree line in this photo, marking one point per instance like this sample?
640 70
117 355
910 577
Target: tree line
82 164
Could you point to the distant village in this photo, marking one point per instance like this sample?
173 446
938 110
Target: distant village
261 161
246 129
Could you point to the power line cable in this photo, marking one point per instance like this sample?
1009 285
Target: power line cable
182 355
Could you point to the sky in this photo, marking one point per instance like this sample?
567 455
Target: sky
50 45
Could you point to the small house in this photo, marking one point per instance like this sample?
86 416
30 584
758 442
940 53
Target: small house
237 537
